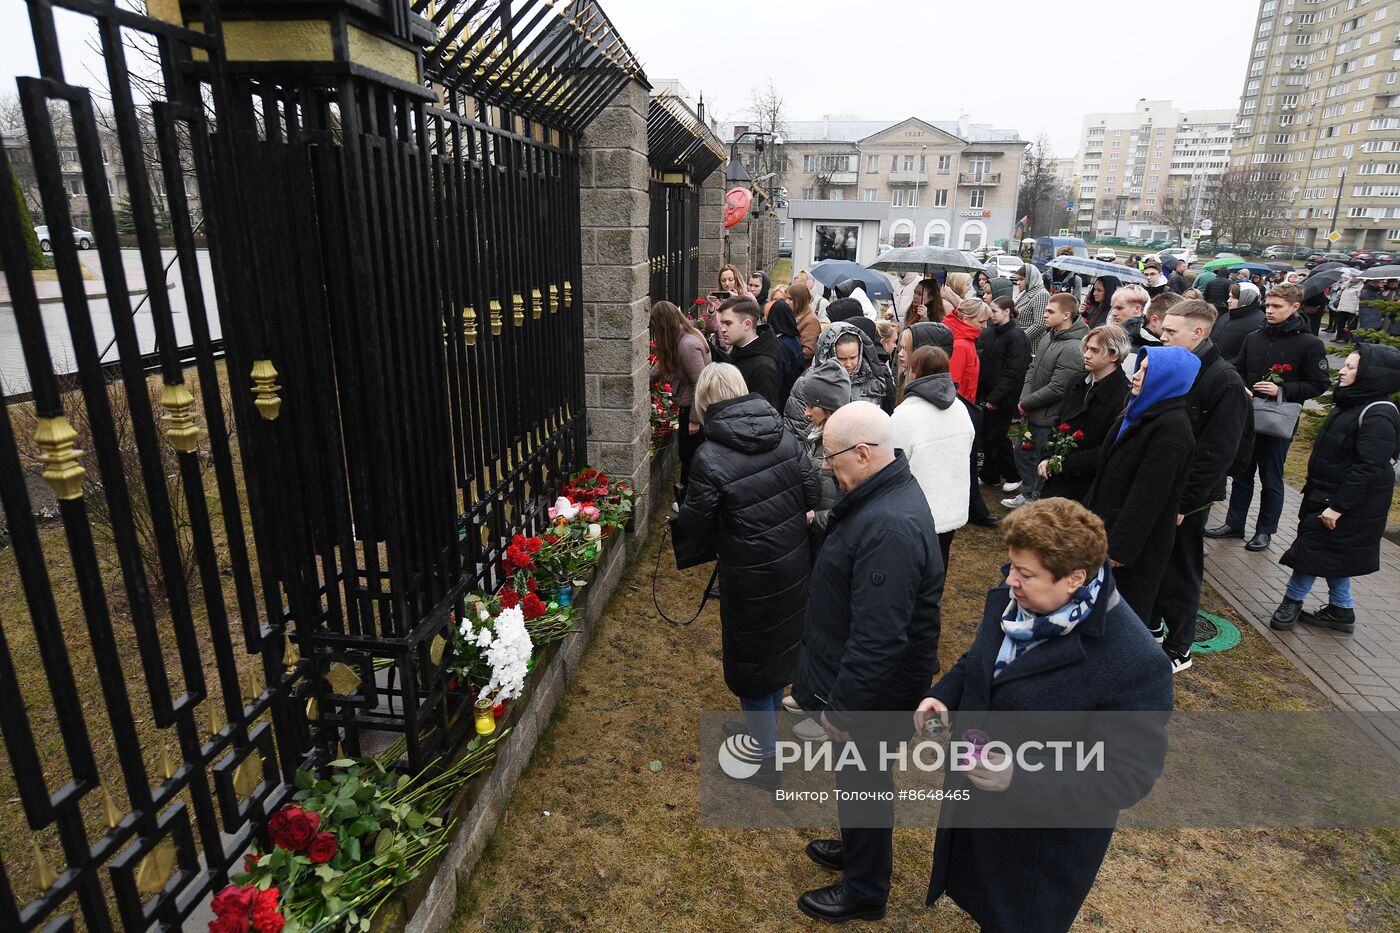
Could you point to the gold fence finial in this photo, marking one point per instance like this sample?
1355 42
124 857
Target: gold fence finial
44 876
536 303
517 303
469 325
180 430
496 322
110 813
167 767
62 471
265 389
216 717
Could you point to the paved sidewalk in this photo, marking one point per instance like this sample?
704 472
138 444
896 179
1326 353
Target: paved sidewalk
1358 672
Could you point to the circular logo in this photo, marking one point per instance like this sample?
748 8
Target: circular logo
740 756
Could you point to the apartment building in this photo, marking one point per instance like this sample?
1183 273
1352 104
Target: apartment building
1320 114
1148 172
945 183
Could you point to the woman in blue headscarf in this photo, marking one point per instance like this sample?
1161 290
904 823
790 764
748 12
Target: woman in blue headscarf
1141 474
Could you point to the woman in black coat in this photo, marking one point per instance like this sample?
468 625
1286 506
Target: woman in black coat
1099 301
1142 474
1091 406
1034 877
1346 499
1004 355
750 490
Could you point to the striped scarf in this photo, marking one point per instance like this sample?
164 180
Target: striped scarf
1024 630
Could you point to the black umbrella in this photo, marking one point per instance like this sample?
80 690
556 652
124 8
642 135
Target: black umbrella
832 272
1329 266
1319 282
1382 272
1282 267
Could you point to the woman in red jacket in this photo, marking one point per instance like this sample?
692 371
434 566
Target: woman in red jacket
964 364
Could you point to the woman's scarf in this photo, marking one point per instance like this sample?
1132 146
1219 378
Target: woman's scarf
1024 630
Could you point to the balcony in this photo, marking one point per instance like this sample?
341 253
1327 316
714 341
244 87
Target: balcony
842 179
908 178
979 179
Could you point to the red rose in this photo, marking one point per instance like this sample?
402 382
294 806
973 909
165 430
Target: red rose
533 545
228 924
266 919
532 607
1288 367
250 862
297 831
323 848
1079 435
1063 427
601 491
1028 447
234 901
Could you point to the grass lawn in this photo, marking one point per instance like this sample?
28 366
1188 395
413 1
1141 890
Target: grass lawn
781 273
593 839
1295 468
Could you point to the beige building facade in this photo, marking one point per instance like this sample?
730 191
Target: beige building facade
1320 113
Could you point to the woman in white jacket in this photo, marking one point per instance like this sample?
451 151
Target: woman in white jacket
935 433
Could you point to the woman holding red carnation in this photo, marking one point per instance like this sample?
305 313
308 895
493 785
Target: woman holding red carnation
1090 407
681 353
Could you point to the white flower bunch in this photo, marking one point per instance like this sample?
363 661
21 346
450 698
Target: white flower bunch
507 650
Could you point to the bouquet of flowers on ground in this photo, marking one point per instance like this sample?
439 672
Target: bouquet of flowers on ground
611 500
1061 443
664 414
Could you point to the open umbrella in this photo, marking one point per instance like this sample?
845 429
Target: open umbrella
1319 282
1094 268
1382 272
925 259
1282 267
1234 265
832 272
1329 266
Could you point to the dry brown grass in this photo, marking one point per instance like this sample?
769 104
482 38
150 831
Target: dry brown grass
621 848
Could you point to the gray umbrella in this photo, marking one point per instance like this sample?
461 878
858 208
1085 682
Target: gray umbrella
927 259
1382 272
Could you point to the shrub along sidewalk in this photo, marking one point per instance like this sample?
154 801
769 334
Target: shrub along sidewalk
596 838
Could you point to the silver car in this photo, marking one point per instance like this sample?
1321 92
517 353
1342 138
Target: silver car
83 239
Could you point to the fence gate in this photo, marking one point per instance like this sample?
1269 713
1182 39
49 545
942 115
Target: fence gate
365 384
683 151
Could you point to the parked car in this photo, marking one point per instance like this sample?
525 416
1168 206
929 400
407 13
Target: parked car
83 239
1172 253
1004 266
1106 255
1302 252
1244 249
1276 252
1362 256
1222 246
785 249
1317 259
1380 259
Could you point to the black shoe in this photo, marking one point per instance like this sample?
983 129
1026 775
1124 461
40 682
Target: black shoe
827 853
1333 617
1260 542
732 729
986 521
1224 531
832 904
767 777
1286 614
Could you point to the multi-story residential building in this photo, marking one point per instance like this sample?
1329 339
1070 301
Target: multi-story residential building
1149 172
1320 115
946 183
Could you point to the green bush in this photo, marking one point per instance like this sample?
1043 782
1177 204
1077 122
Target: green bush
31 242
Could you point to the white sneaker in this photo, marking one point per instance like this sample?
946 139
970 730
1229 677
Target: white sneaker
790 704
1180 664
809 730
676 507
1010 487
1015 503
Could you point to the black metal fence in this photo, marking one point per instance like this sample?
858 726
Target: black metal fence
683 152
253 573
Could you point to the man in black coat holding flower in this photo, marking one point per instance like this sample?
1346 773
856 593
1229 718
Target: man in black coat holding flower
871 642
1280 360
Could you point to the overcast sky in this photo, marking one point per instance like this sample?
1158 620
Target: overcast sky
1031 65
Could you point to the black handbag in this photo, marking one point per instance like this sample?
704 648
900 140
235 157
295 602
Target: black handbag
689 552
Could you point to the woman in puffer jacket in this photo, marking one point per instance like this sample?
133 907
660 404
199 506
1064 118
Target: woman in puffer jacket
870 379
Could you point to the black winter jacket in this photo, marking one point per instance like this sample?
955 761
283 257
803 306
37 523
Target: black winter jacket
872 608
1138 335
1177 283
749 491
761 363
1290 343
1222 419
1217 292
1020 880
1005 353
1091 407
1233 326
1350 471
1137 492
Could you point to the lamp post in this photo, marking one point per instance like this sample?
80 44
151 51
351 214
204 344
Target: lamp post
1336 208
736 172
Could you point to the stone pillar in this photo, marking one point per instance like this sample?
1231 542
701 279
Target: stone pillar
711 230
615 203
739 252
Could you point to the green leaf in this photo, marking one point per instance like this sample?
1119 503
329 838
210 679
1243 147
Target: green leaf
303 780
346 809
325 872
352 849
655 767
415 820
342 763
384 841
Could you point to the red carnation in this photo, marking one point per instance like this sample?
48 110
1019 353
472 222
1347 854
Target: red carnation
250 862
295 830
517 558
518 541
1079 435
266 919
228 924
235 902
323 848
532 607
533 545
551 539
509 598
1064 427
700 302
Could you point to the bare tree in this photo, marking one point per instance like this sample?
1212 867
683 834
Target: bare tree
1244 203
767 113
1043 195
1178 213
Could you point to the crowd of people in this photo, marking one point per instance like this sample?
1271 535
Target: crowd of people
832 448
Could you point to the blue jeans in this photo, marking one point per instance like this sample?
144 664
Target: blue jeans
761 719
1267 459
1028 460
1338 589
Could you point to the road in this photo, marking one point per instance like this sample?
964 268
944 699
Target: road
14 376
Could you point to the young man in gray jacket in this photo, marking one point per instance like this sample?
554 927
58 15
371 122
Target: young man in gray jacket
1057 360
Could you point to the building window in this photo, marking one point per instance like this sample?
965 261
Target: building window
923 163
909 163
940 197
872 165
869 194
979 166
914 198
897 197
808 194
978 198
945 164
809 164
833 242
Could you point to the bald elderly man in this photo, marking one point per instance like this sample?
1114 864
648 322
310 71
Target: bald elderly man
871 642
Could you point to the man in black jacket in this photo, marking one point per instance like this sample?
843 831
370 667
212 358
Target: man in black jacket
871 643
1005 355
754 350
1284 349
1177 280
1221 417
